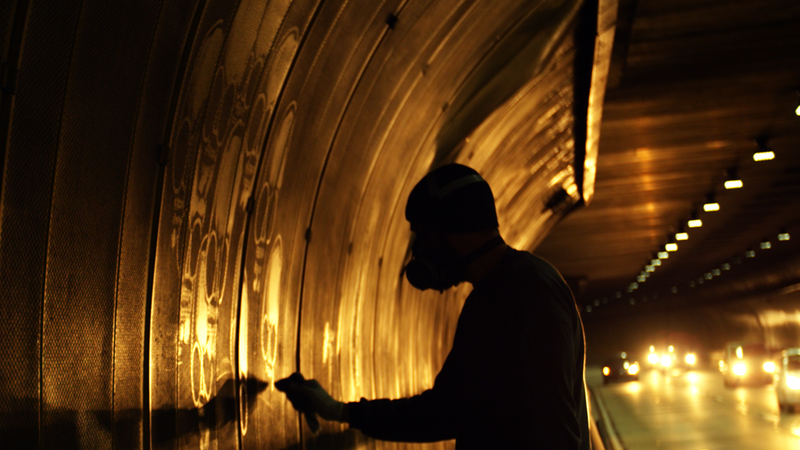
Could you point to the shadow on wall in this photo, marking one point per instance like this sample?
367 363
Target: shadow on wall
60 429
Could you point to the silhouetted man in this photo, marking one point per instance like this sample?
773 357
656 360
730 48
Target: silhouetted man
515 375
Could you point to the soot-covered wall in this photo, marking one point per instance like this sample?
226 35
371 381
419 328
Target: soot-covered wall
198 194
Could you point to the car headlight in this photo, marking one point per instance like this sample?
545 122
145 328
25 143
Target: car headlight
606 371
652 358
793 383
633 369
666 361
739 369
769 367
691 359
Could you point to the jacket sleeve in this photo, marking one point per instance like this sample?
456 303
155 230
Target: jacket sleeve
426 417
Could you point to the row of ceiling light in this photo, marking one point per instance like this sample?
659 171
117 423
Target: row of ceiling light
732 181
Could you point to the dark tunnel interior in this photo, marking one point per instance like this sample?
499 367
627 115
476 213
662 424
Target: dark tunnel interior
200 197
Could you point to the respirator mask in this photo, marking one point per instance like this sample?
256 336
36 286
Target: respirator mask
441 270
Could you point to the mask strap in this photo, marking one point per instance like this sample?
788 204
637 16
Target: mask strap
480 251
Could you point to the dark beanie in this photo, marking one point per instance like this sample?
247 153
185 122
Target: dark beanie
452 199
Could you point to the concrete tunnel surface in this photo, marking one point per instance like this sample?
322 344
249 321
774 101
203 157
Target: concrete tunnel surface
199 193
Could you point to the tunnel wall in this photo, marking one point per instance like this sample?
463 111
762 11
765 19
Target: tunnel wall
197 193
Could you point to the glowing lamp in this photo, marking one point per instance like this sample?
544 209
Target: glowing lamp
691 359
710 207
671 247
681 236
793 383
733 184
663 255
764 156
765 245
783 237
769 367
652 358
739 369
606 371
695 223
655 262
633 369
666 361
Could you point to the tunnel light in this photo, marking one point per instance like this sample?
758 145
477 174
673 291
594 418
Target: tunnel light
769 367
670 349
710 204
726 266
739 369
674 289
596 302
652 358
764 153
733 184
797 111
691 283
635 285
783 237
764 156
732 180
641 278
682 236
695 223
793 382
652 348
765 245
655 262
624 355
750 254
632 301
739 352
716 272
691 359
671 247
666 361
606 371
649 268
633 369
588 308
707 275
663 255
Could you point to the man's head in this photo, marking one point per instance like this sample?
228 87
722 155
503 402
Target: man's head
452 199
452 213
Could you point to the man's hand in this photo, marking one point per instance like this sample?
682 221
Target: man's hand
309 398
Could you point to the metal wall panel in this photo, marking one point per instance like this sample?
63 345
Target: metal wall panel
271 236
25 214
85 220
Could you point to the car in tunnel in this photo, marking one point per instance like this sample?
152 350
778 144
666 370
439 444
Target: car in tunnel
620 368
746 363
787 387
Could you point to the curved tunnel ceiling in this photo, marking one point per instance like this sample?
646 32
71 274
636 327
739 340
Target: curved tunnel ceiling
199 193
692 87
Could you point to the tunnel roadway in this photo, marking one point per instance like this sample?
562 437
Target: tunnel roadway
692 410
